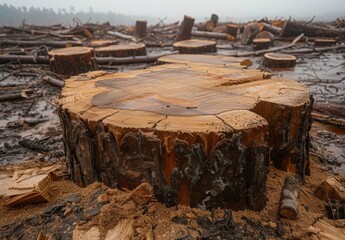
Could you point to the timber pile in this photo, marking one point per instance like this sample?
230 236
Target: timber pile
129 50
157 125
72 61
194 46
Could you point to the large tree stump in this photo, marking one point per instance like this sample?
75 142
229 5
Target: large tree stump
128 50
72 61
195 46
279 60
202 59
195 133
186 27
140 28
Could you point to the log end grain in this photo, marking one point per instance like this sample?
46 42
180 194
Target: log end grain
279 60
128 50
195 46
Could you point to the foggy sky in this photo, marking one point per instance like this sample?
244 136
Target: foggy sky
226 9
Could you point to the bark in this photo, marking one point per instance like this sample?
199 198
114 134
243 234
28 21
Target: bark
53 81
232 29
186 27
289 199
261 43
321 42
140 28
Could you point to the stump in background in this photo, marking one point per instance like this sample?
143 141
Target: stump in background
129 50
289 200
186 27
279 60
232 29
101 43
72 61
195 133
195 46
140 28
261 43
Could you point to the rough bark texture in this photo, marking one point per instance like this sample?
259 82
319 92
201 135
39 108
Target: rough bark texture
289 200
279 60
140 28
72 61
186 27
129 50
249 32
232 29
194 46
193 132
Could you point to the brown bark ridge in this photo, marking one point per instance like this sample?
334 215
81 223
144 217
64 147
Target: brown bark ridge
194 133
195 46
186 27
202 59
128 50
140 28
289 199
279 60
261 43
72 61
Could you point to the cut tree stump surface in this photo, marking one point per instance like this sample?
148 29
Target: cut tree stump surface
102 43
279 60
195 133
195 46
201 59
128 50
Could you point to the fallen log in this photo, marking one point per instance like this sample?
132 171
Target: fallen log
186 27
195 46
55 44
293 29
15 96
232 29
289 200
140 28
213 35
321 42
53 81
331 189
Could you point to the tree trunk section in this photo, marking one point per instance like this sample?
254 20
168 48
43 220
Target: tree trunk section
261 43
279 60
214 19
289 199
194 133
207 26
72 61
140 28
186 27
194 46
249 33
232 29
129 50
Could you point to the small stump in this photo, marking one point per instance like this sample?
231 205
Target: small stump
129 50
198 135
195 46
232 29
261 43
279 60
101 43
72 61
321 42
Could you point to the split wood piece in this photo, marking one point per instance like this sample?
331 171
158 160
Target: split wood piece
215 35
186 27
195 46
292 29
289 200
249 33
194 133
72 61
261 43
140 28
219 61
279 60
322 230
232 29
129 50
321 42
331 189
29 186
101 43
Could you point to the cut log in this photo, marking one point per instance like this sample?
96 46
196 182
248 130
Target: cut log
195 46
249 33
289 199
232 29
53 81
72 61
261 43
101 43
55 44
194 133
279 60
293 29
321 42
216 35
186 27
331 189
129 50
272 29
207 26
140 28
322 230
201 59
214 19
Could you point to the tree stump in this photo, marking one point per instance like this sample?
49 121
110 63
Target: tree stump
72 61
289 199
140 28
101 43
201 59
279 60
186 27
321 42
232 29
194 133
128 50
195 46
261 43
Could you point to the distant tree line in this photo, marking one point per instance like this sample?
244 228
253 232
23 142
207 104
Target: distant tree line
15 16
